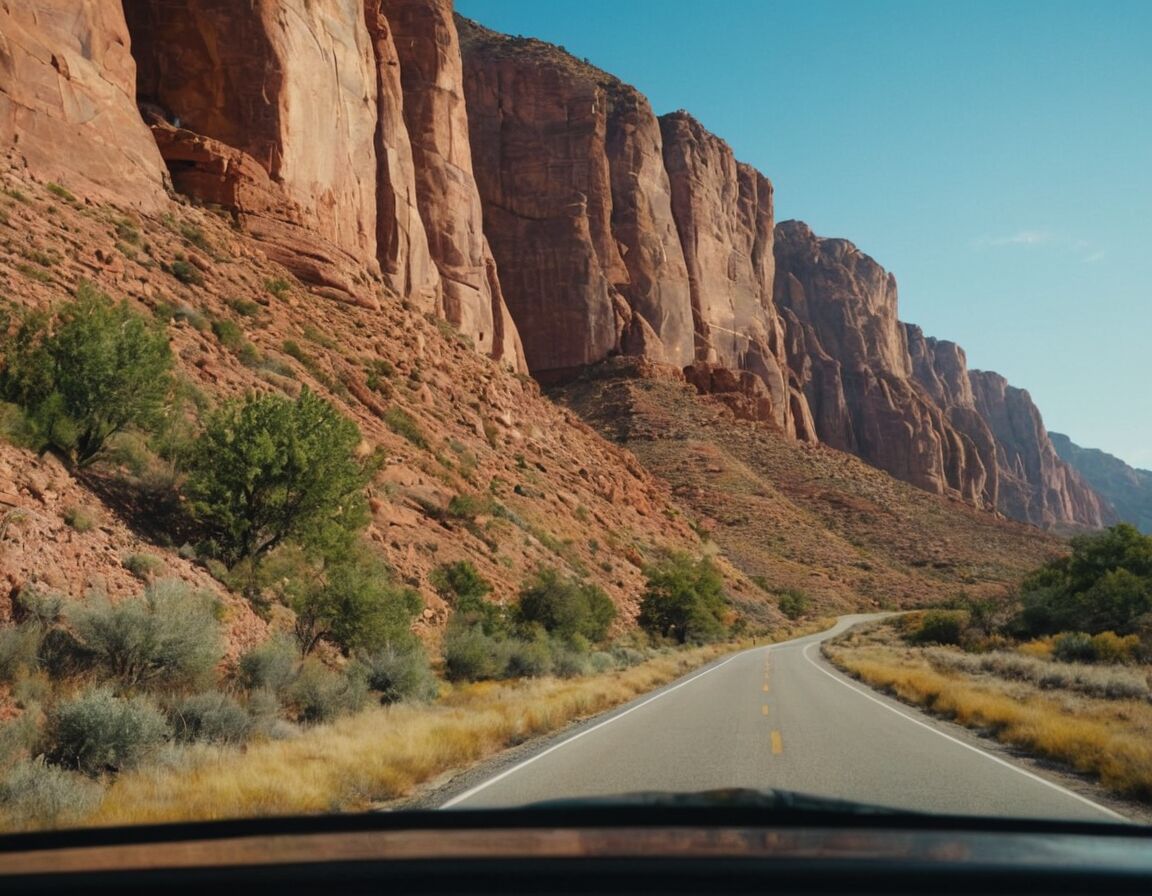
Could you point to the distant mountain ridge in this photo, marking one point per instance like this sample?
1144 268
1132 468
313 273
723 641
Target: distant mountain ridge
1128 489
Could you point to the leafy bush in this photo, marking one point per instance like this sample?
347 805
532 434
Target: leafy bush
267 469
354 604
168 637
96 370
793 604
404 424
459 583
684 601
97 731
319 694
278 287
940 627
399 672
1074 647
470 654
529 658
186 272
1111 648
33 793
210 717
229 334
565 607
269 666
1104 585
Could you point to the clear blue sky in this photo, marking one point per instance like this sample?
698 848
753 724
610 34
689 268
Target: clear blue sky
995 156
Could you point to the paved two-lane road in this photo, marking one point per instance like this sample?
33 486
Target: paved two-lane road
780 717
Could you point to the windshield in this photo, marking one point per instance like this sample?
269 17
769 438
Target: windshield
408 405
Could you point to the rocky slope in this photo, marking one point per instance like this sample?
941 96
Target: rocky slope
1128 490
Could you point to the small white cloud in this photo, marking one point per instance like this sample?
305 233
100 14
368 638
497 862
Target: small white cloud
1023 238
1098 255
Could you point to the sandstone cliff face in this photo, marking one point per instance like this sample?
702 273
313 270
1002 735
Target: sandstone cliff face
67 81
292 86
1035 484
431 72
852 356
618 233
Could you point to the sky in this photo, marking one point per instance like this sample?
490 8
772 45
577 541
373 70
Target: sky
995 156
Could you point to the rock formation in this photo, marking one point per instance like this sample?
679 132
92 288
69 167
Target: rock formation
1128 490
67 81
437 122
1035 484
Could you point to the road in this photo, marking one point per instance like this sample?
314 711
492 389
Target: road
781 717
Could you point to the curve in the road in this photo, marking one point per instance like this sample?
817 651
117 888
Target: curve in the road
776 717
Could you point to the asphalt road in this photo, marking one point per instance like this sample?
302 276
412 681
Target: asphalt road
781 717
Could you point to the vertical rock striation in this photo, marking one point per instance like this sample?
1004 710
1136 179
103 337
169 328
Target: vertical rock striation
1035 484
431 71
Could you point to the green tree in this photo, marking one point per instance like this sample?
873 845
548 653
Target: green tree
353 603
267 469
91 372
460 584
565 607
684 601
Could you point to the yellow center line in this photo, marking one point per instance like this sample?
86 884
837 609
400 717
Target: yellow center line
777 744
764 709
765 687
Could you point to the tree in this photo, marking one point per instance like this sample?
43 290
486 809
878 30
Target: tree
460 584
566 607
267 469
95 370
354 603
684 601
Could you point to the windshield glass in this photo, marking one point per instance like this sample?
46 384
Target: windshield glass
408 405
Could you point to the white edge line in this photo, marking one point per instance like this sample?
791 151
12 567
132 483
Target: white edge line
468 794
955 740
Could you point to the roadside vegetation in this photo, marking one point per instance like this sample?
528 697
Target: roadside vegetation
1064 669
270 493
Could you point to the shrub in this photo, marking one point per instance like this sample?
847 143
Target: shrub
96 370
244 307
278 287
97 731
143 566
80 519
404 424
529 658
168 637
37 607
1074 647
1111 648
267 469
18 649
229 334
210 717
940 627
459 583
399 672
269 666
793 604
60 192
319 694
186 272
355 605
33 793
470 654
569 663
565 607
466 507
684 601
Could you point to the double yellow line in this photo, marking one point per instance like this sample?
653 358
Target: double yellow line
775 739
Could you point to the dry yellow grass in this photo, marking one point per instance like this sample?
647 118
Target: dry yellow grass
1108 739
376 756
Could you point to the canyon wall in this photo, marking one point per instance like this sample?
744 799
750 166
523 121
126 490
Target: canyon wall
387 149
1035 484
67 82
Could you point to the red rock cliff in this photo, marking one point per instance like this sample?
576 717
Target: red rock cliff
67 109
1035 484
